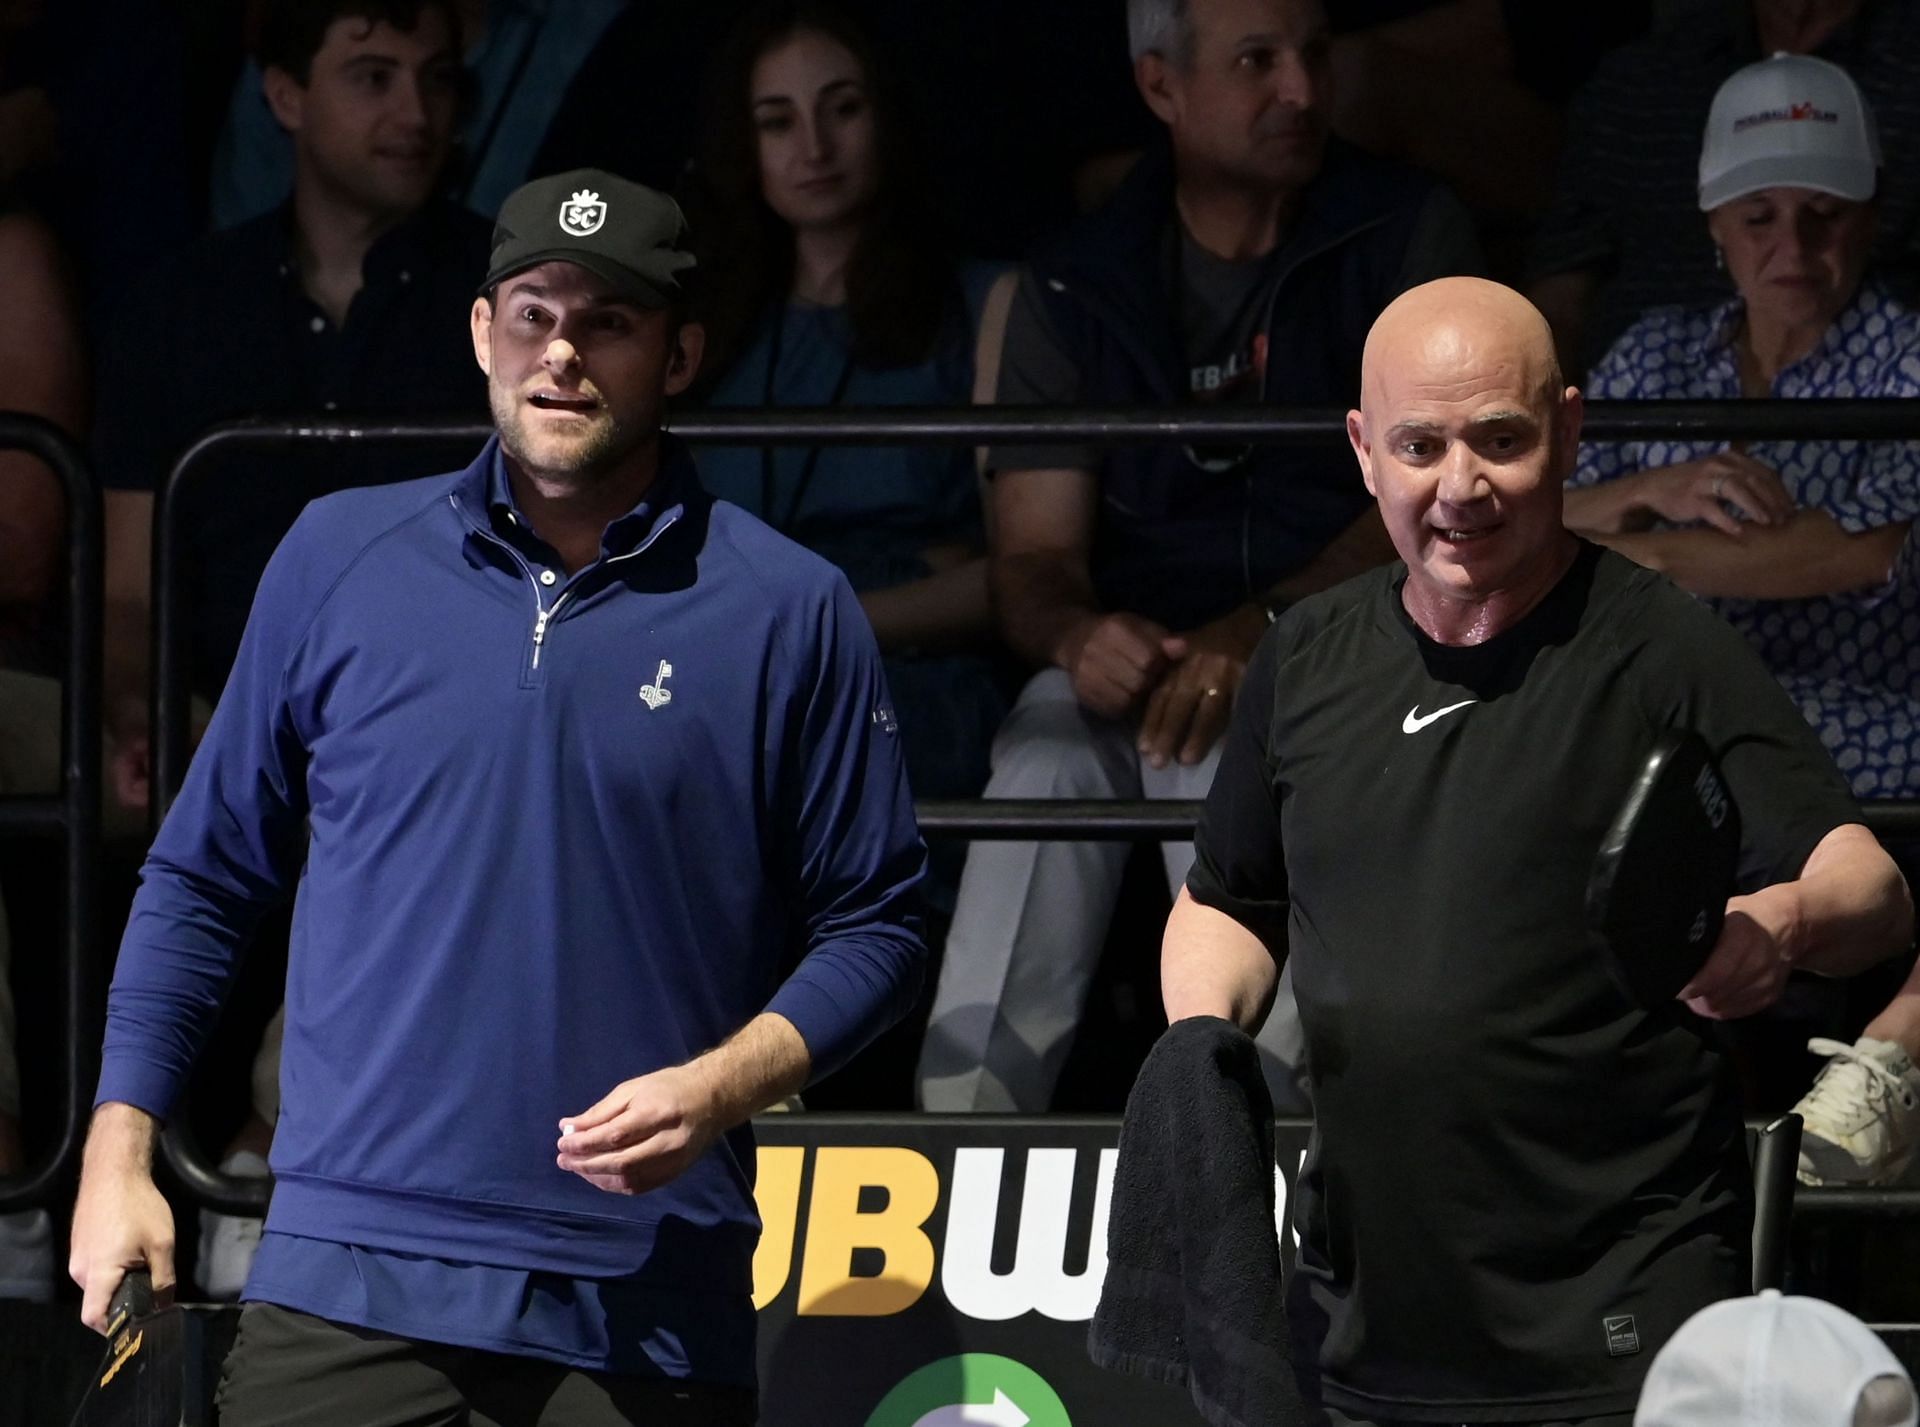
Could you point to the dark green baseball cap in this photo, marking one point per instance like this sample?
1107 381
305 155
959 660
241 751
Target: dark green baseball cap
625 233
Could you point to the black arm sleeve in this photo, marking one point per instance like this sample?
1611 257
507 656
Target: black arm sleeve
1703 675
1239 865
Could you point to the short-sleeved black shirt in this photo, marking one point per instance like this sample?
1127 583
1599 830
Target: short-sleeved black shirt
1507 1153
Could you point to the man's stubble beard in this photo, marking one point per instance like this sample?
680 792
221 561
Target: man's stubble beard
575 466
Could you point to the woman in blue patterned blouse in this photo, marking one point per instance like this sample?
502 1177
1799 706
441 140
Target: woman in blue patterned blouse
1802 545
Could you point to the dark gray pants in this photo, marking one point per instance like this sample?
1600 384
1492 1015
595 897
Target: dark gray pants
291 1369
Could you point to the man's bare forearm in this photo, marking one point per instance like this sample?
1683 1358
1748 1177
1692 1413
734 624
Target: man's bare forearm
1210 965
1608 508
945 610
1807 557
1855 909
1039 601
762 1063
121 1139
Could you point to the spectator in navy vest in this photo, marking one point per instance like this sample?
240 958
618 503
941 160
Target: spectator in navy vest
1242 263
836 291
1804 546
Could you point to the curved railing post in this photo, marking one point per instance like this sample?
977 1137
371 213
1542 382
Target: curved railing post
73 812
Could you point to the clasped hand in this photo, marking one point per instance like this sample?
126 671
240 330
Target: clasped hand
1704 489
643 1133
1187 681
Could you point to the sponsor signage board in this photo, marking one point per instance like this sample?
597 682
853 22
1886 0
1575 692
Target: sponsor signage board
940 1271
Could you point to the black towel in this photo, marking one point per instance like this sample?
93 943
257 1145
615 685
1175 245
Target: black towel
1193 1293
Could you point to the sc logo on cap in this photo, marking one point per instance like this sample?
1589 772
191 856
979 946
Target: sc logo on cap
583 213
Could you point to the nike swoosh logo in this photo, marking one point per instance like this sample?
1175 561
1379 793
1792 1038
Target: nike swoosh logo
1415 720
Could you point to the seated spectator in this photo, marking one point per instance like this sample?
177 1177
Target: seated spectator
1774 1361
1618 238
333 304
1802 545
1006 108
521 55
833 290
42 372
1241 264
351 300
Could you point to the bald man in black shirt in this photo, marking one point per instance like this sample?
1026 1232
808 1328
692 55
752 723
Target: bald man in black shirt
1521 1183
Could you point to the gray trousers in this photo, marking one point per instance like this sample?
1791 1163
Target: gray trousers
1032 917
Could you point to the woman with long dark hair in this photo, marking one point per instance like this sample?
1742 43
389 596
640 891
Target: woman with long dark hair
826 286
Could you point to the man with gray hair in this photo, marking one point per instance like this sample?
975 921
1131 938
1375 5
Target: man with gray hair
1241 262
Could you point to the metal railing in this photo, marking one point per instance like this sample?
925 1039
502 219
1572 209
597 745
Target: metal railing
1854 419
73 813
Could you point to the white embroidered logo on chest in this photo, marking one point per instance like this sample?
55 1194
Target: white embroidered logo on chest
657 693
1415 720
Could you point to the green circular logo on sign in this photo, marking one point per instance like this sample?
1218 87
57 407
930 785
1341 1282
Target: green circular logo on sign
972 1390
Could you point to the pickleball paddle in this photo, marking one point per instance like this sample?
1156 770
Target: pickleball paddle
161 1364
1660 881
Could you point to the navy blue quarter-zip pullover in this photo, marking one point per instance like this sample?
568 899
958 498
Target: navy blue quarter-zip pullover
565 830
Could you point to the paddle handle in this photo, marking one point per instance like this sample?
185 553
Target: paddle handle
132 1299
1776 1157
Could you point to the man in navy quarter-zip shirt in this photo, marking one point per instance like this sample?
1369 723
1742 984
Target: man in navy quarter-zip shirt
1241 264
610 848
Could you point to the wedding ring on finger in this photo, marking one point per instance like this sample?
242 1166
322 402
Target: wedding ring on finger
1719 481
1212 693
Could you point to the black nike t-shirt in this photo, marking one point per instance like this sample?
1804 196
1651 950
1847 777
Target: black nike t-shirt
1520 1183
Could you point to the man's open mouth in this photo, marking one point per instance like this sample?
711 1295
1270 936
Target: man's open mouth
557 401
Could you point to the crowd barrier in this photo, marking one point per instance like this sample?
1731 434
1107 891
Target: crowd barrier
72 813
75 811
914 1263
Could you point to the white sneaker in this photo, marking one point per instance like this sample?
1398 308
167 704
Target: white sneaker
228 1241
1862 1114
26 1255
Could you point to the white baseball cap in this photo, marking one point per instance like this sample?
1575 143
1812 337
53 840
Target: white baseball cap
1792 121
1771 1361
